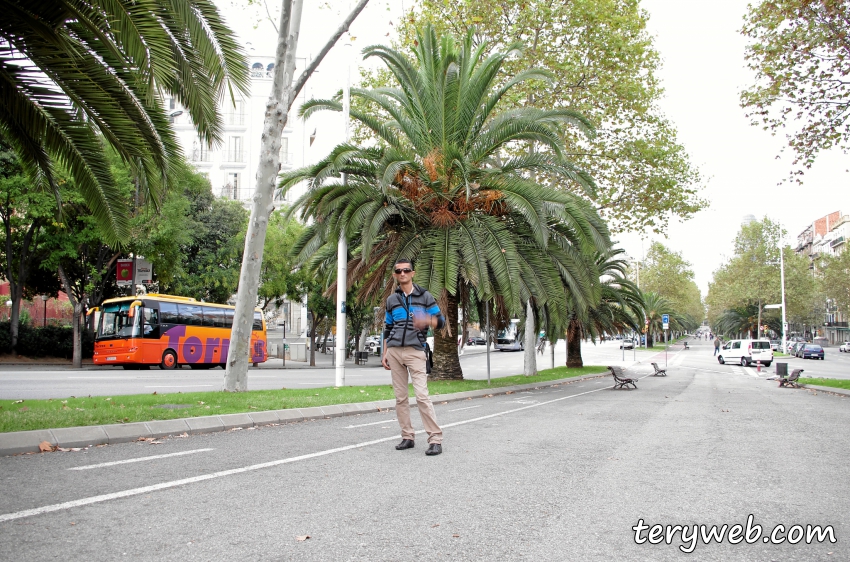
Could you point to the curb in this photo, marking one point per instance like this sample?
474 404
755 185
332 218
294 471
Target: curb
830 389
18 442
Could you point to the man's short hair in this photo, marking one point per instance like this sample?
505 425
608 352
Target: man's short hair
405 260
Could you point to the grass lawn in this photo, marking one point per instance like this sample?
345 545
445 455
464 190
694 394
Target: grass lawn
835 383
23 415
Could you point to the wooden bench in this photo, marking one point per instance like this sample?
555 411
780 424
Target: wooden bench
658 372
620 379
791 380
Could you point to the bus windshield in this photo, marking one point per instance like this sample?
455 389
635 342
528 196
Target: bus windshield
115 321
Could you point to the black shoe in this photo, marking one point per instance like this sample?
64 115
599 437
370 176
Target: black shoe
434 449
405 444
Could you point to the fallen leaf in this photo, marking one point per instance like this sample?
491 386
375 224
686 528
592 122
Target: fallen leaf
201 403
184 434
23 409
456 536
154 393
252 407
509 392
45 447
435 525
107 399
302 538
157 442
72 523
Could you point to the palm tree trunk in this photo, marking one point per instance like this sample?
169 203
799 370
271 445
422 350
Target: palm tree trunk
574 333
530 359
446 360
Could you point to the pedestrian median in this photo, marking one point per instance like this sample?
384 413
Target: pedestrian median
46 439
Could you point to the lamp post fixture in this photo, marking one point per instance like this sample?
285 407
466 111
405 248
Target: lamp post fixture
44 315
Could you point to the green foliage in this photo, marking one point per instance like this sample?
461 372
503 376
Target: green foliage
835 275
442 188
279 277
601 62
668 274
211 257
798 51
127 55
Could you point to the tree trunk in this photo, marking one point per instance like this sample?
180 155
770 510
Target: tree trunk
446 359
530 337
77 335
574 334
281 98
313 344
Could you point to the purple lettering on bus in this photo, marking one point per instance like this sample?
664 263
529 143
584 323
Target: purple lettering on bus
259 346
212 345
192 349
225 347
174 334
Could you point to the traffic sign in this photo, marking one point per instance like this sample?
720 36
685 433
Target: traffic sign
665 319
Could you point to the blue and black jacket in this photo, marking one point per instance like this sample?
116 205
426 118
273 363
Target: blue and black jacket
399 330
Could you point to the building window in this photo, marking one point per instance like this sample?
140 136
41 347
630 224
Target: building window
236 114
200 151
232 185
257 70
234 150
285 155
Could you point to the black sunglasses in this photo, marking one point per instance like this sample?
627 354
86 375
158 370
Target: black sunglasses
405 270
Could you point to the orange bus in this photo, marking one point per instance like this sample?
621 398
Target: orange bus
169 331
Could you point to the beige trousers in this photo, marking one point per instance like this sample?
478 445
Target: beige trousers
402 360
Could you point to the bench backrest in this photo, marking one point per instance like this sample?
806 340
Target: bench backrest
617 372
795 374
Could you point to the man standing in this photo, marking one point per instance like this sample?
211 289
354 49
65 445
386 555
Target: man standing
411 310
716 344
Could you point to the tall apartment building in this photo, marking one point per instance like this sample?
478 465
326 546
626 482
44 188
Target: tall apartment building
232 166
828 235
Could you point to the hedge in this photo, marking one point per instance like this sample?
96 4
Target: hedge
48 341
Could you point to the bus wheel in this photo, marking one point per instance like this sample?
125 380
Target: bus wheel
169 360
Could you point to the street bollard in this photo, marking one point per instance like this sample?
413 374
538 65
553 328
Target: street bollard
758 366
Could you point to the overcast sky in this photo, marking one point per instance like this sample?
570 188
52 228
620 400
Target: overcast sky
703 73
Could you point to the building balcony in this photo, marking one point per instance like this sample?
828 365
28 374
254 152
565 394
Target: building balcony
235 156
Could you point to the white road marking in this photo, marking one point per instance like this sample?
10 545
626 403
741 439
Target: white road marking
750 371
179 385
141 459
365 424
194 479
467 408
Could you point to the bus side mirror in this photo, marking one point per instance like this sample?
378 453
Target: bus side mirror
133 306
92 311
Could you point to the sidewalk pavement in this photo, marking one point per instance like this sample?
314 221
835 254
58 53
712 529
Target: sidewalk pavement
18 442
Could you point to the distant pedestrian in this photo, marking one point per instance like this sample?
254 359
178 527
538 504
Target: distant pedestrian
411 310
716 345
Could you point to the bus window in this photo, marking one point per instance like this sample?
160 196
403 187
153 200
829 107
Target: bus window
209 316
168 313
228 318
258 321
191 314
115 321
151 319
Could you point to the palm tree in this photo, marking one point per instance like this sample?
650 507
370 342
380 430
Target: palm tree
78 75
619 308
439 187
654 307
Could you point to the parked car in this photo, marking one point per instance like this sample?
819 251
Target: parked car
775 344
845 347
811 351
745 352
795 347
477 340
627 344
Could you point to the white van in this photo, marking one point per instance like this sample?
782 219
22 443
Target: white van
746 352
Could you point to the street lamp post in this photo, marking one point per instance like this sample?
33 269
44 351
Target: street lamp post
44 315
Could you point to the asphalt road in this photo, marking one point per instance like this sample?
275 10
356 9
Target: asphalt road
557 474
19 382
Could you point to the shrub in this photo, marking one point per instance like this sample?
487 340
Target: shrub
49 341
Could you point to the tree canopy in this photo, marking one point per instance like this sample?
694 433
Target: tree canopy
441 189
77 76
799 52
602 64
